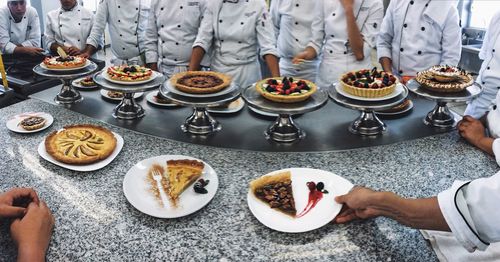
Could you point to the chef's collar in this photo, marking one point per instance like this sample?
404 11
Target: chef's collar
71 9
232 1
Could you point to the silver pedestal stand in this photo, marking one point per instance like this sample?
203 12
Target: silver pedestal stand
440 116
284 128
367 124
200 122
67 95
128 109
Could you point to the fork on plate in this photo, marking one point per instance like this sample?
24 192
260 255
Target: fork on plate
158 177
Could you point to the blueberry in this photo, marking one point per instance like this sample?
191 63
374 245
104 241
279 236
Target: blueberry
199 190
320 186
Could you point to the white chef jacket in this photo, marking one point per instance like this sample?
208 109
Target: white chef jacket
472 211
292 21
493 125
127 22
25 33
418 34
238 32
172 29
329 34
68 28
489 77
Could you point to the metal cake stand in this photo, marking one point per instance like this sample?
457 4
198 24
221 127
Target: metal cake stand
200 122
367 124
128 108
67 95
284 128
440 116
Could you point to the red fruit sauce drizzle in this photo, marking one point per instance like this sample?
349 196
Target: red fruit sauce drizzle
315 195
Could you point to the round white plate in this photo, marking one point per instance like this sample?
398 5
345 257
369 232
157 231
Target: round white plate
150 97
324 212
137 190
83 168
260 112
13 123
87 63
398 90
224 91
233 107
76 83
104 93
105 75
408 108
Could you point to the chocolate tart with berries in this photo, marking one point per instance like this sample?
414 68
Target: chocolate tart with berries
450 80
286 89
445 73
368 83
33 123
276 191
200 82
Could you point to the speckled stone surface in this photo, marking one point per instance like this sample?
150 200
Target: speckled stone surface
94 221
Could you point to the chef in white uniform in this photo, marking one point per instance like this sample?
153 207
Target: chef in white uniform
418 34
172 29
345 32
489 77
127 22
19 29
292 21
237 32
68 27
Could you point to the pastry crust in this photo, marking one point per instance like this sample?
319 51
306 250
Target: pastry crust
369 84
200 82
57 62
292 97
180 175
33 123
88 82
427 79
133 73
445 73
80 144
276 191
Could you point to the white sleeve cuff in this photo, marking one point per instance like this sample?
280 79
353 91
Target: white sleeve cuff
9 48
383 52
454 208
151 57
496 150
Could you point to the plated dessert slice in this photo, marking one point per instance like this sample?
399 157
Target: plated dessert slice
368 83
88 82
286 89
180 175
200 82
276 191
33 123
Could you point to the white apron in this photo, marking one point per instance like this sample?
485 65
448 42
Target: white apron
242 74
306 70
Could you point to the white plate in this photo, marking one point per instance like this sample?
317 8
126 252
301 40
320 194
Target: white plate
150 98
105 94
398 90
13 123
324 212
105 75
42 65
260 112
233 107
136 189
408 108
83 168
224 91
76 83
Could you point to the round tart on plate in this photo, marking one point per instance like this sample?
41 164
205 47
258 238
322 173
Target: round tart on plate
58 62
32 123
200 82
368 83
125 73
88 82
444 79
80 144
286 89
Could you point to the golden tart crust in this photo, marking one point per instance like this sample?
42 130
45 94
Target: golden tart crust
54 63
377 88
427 79
276 191
200 82
80 144
180 175
293 97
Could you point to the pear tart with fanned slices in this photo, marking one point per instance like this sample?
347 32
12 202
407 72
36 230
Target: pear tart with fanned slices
444 79
368 83
68 62
276 191
286 89
133 73
80 144
200 82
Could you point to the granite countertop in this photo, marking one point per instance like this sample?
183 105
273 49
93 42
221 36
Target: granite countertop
94 221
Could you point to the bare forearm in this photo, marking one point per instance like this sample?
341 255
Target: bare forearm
89 49
273 65
354 35
196 57
27 254
421 213
486 144
386 63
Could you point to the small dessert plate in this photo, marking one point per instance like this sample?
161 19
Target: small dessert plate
76 83
137 189
104 93
324 211
398 90
233 107
151 98
13 124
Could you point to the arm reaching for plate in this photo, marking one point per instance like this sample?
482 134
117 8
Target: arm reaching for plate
362 203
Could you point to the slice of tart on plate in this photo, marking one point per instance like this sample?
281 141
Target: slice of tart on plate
180 175
276 191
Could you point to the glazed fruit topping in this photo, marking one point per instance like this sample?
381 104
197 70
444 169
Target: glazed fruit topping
372 79
286 86
131 69
199 186
67 59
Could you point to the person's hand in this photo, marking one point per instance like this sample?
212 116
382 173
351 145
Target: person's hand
358 204
73 50
153 66
85 54
32 233
347 4
13 203
471 129
29 50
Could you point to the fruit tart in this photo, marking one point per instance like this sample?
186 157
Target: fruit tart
276 191
68 62
133 73
286 89
200 82
445 73
368 83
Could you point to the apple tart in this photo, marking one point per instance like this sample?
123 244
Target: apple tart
80 144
